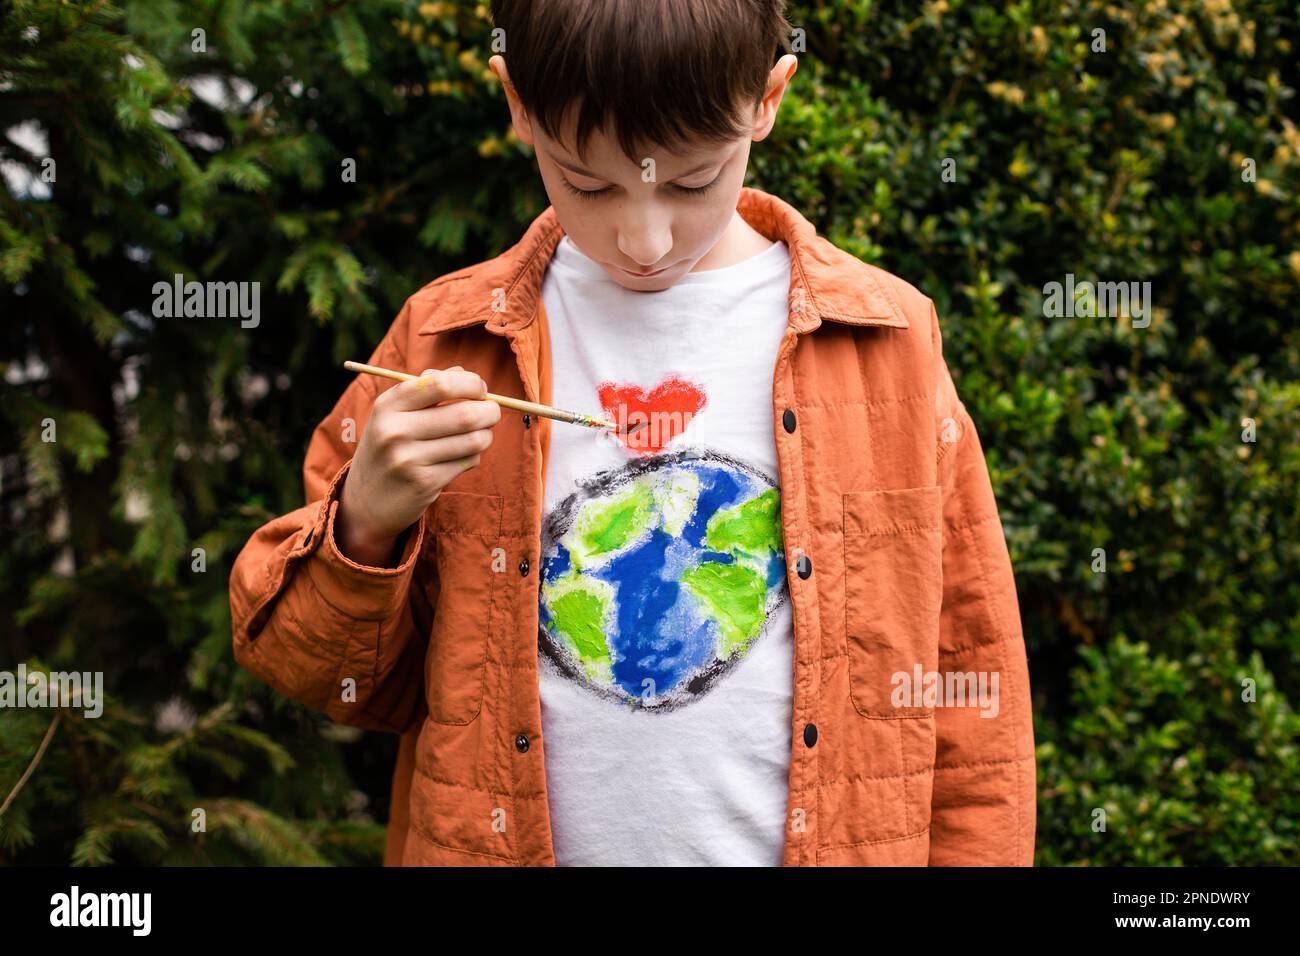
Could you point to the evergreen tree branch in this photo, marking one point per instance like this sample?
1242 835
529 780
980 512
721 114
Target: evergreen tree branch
31 767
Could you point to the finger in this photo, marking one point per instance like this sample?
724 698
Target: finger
444 472
449 368
434 386
457 368
440 451
456 418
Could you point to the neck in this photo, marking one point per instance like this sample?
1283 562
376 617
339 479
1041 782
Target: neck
739 241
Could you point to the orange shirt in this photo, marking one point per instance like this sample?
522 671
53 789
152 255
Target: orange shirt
902 597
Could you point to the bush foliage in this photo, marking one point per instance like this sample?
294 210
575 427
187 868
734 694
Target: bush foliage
1164 686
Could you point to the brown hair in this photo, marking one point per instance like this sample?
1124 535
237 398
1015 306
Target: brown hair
661 72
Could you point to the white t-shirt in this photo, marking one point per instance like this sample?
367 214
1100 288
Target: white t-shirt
666 648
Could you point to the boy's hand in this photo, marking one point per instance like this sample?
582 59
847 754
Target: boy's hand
411 448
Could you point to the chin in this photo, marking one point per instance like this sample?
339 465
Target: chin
657 284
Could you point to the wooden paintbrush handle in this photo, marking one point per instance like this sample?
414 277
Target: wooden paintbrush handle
518 404
548 411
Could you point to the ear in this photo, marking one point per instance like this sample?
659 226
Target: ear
518 115
778 81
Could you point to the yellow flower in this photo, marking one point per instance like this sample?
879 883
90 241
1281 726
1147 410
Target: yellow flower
490 147
1038 41
1164 122
1018 168
468 61
1290 134
1265 187
1005 91
1293 261
1246 42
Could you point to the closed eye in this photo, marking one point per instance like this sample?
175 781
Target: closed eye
593 193
698 190
584 193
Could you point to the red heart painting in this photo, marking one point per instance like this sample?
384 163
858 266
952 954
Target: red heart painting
666 411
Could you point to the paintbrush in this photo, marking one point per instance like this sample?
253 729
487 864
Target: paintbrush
505 401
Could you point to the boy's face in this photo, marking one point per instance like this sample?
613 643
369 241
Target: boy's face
648 223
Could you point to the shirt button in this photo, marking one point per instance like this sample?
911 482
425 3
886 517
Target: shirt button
809 734
528 421
521 743
787 419
804 566
523 568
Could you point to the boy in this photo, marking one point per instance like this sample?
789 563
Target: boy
589 642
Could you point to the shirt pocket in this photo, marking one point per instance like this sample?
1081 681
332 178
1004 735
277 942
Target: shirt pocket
893 591
465 533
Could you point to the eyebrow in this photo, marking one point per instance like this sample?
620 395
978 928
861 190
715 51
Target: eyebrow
590 175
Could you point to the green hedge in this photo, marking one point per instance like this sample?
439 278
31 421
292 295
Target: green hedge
1122 165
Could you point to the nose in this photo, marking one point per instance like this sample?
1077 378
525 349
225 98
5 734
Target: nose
645 238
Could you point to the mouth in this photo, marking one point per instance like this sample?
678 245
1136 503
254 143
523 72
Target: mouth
646 275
